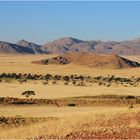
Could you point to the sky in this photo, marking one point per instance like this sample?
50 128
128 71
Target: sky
41 22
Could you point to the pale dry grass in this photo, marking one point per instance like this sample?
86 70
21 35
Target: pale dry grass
60 91
44 111
71 124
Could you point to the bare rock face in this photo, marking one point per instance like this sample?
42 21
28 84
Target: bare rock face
90 60
61 45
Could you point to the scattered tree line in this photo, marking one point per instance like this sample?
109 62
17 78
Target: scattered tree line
77 80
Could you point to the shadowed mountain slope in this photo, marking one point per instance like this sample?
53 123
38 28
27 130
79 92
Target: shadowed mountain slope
9 48
36 48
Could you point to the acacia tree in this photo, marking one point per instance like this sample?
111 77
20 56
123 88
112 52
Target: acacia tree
28 93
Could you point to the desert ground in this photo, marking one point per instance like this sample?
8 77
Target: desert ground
22 64
88 118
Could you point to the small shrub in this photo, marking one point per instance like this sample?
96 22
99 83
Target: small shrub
130 97
74 82
66 83
54 82
108 85
45 83
131 106
71 104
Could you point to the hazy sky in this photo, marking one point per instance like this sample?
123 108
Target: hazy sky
44 21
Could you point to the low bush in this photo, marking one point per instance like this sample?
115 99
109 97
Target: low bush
130 97
71 104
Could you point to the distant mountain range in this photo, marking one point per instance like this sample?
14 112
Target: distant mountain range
68 44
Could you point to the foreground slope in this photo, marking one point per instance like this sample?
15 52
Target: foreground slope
110 123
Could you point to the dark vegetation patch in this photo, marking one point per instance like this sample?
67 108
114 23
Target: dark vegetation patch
76 80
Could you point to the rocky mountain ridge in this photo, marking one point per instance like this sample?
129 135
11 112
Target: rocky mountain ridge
69 45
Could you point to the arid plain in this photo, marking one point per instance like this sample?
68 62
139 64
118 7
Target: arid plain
75 111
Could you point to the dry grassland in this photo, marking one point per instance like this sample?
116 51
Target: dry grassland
110 124
60 91
44 111
76 122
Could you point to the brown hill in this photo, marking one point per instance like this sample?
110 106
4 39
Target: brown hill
90 60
